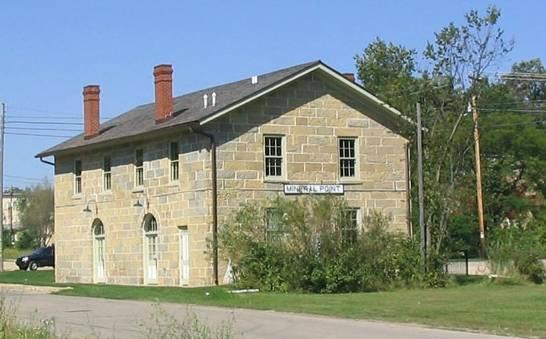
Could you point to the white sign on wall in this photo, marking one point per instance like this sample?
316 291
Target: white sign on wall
313 189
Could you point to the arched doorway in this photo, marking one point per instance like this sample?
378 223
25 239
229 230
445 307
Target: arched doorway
150 249
99 263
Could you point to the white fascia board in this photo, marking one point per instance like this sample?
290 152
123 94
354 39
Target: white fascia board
323 68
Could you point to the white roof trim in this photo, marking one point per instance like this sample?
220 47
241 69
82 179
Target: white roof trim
299 75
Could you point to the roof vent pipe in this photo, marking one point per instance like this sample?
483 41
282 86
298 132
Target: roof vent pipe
254 79
213 99
205 101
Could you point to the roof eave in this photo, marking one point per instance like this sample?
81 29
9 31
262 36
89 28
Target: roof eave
121 140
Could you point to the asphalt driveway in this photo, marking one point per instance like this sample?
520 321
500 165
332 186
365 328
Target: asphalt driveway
81 317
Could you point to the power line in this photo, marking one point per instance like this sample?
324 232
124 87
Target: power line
54 117
534 79
54 113
44 129
20 177
40 135
42 111
43 122
515 110
41 116
535 122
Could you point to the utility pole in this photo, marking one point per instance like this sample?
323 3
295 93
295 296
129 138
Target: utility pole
422 227
479 195
11 235
2 121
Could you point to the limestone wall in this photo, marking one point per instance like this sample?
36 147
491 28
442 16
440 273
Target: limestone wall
309 113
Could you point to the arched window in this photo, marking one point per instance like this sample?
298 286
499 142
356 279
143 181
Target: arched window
150 224
150 249
98 227
99 261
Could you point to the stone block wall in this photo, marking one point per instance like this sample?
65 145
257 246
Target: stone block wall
310 113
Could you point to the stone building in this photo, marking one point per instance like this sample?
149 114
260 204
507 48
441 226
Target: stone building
138 199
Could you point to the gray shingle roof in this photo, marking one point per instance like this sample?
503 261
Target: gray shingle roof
188 109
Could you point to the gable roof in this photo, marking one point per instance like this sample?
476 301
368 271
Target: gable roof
189 109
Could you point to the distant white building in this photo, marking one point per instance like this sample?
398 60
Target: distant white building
10 215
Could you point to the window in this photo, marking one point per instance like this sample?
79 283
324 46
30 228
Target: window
98 249
350 225
77 177
173 156
107 173
273 156
273 224
347 158
151 255
139 167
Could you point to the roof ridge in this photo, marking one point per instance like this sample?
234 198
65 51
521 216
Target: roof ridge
284 69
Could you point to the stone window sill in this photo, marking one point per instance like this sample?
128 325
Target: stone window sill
77 196
139 189
173 183
275 181
352 181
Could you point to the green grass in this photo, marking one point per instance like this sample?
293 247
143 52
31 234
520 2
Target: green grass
40 277
470 304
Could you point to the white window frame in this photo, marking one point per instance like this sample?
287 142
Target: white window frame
174 161
356 159
184 255
97 238
358 226
106 175
272 234
149 236
139 168
78 182
281 177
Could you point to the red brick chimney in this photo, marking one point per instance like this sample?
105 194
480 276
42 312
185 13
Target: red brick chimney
349 76
91 112
163 92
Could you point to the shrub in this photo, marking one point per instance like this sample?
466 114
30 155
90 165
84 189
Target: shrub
309 245
163 325
517 251
26 240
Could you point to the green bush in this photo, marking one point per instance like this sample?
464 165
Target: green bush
517 251
309 244
26 240
6 239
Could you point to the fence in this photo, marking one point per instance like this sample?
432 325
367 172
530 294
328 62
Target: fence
467 266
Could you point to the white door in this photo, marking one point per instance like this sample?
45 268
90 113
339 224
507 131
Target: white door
100 269
184 257
151 258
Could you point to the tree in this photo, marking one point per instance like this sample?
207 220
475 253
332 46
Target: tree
36 209
386 70
444 88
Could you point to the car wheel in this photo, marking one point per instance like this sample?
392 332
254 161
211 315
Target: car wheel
33 266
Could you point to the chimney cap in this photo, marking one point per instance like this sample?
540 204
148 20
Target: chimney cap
163 68
91 89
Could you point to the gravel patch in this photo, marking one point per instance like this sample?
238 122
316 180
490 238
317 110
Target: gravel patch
29 289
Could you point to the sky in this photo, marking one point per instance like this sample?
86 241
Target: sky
51 49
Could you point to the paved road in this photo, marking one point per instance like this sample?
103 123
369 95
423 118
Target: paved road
101 318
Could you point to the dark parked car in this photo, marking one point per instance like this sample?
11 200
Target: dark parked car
43 256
